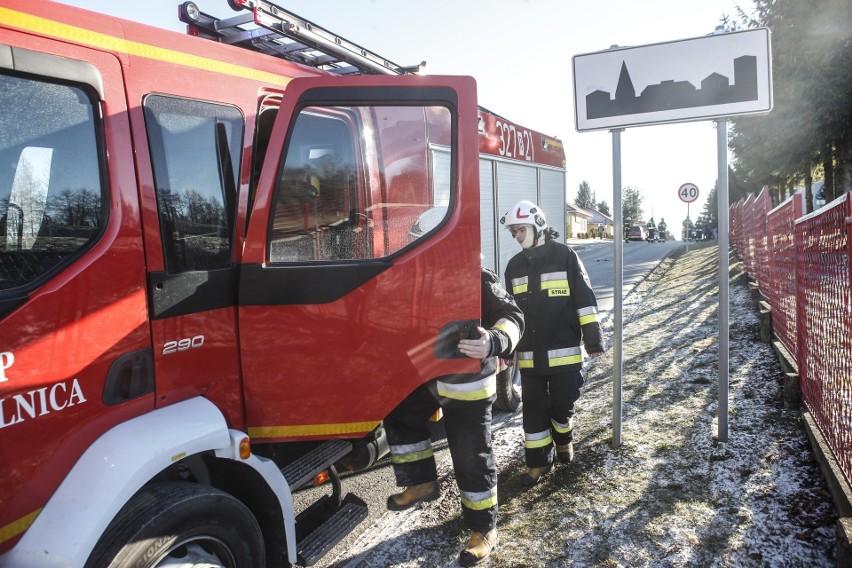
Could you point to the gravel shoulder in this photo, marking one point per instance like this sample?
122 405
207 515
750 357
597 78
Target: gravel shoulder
671 494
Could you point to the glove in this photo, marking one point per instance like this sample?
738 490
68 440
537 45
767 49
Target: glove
477 348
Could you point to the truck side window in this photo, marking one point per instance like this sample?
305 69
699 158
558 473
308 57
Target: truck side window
195 150
355 179
52 203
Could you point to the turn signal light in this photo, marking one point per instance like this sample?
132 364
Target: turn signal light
320 478
245 448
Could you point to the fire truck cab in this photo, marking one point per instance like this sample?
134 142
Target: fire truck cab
209 288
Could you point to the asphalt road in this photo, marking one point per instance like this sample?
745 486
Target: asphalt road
640 258
376 484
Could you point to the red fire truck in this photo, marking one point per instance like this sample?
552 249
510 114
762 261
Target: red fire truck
209 292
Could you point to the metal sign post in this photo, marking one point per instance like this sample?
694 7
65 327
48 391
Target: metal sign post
617 292
724 301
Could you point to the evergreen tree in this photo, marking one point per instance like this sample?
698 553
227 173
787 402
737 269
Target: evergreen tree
631 199
585 197
810 126
603 207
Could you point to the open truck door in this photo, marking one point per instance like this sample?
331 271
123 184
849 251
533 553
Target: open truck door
335 294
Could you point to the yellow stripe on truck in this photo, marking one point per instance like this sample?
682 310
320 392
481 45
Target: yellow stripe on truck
15 528
30 23
312 430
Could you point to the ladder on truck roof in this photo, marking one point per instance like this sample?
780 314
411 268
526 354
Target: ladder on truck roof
283 34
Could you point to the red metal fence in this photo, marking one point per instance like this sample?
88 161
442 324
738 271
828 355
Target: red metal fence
780 285
760 211
805 272
746 237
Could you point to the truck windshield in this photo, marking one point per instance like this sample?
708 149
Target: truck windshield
52 203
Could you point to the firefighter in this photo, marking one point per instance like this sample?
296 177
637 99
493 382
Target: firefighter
465 401
550 285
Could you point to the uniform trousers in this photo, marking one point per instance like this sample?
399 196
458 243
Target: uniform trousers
468 428
548 413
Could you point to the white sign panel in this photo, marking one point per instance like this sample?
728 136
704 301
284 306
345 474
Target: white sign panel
714 76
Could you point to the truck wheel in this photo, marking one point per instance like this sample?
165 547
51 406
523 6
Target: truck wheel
509 388
181 524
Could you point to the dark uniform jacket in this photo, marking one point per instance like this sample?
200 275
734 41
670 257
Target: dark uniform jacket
550 285
504 322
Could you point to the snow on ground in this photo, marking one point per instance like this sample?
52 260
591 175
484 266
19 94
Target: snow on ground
671 494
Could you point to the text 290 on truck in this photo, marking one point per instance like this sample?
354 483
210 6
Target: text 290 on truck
209 289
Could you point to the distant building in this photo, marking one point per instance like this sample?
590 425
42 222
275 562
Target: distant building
598 220
576 220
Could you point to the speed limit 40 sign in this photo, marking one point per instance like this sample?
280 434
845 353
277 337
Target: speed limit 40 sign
688 192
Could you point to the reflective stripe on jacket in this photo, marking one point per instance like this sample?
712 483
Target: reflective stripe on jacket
468 390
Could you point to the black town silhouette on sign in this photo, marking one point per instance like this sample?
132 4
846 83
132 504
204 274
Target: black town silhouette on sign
670 94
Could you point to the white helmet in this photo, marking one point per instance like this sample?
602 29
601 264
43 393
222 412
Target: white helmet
428 220
525 213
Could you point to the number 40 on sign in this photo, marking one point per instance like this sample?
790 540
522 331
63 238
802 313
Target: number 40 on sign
688 192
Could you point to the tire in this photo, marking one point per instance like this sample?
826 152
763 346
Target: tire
509 388
177 524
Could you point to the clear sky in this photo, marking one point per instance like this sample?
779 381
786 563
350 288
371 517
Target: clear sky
520 53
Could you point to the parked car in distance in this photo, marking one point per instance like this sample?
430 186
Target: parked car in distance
636 233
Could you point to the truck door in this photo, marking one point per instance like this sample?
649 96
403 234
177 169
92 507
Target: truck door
342 311
74 342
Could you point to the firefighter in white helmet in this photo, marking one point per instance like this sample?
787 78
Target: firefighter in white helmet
550 285
466 402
